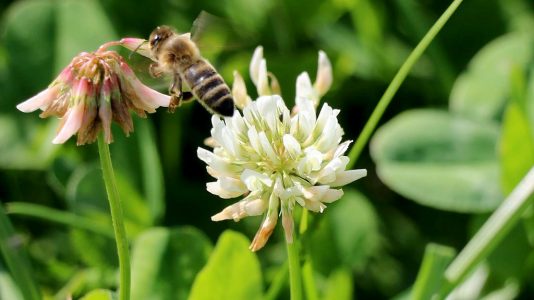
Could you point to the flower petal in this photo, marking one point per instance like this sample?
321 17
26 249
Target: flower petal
347 177
254 180
241 209
305 92
138 45
41 100
324 77
227 187
72 123
255 62
292 146
239 91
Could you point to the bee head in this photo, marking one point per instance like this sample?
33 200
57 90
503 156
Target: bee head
158 35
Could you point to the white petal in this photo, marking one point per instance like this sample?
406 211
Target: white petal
263 80
324 77
227 187
241 209
268 148
254 140
305 94
314 206
315 193
342 148
255 181
331 195
328 172
257 57
292 146
72 124
239 91
41 100
346 177
267 110
310 162
217 163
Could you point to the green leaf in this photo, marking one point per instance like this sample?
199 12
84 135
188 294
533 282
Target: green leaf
350 226
152 172
339 285
440 160
100 294
165 262
26 143
87 197
482 90
16 258
232 272
81 25
517 142
8 288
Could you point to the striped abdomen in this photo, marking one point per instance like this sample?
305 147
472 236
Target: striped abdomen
209 88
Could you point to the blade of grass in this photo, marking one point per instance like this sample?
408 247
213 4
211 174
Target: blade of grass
430 276
490 234
393 87
152 172
57 216
16 259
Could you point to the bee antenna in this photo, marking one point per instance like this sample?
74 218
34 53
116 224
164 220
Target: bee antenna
136 48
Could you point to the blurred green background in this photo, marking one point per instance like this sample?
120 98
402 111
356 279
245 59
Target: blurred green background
456 139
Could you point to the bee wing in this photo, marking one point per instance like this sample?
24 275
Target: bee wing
213 34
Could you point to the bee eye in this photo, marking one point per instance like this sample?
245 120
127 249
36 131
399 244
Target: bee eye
155 41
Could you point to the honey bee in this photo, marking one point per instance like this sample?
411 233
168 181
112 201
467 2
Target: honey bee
178 55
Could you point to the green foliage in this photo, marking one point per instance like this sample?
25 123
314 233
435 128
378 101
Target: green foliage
166 261
100 295
423 151
231 262
456 164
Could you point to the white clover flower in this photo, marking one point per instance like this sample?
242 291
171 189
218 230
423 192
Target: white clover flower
277 159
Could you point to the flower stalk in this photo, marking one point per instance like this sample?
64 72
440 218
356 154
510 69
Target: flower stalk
295 275
394 85
116 218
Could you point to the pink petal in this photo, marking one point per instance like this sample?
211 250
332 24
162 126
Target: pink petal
138 45
72 124
41 100
150 97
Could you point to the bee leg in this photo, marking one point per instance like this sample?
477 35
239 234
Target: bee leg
175 90
155 70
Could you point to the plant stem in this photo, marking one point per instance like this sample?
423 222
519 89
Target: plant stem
295 276
490 234
393 87
116 218
58 216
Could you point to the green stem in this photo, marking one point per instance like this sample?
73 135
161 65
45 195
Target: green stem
58 216
491 233
116 218
295 277
393 87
